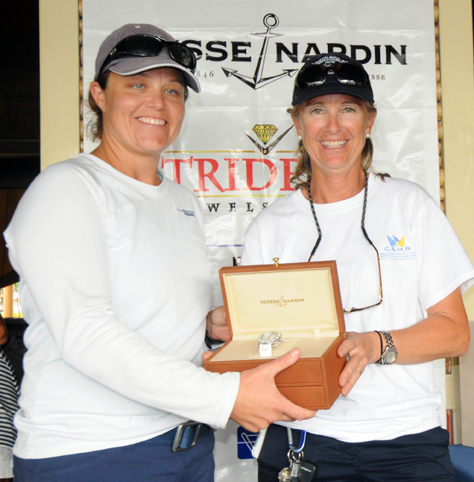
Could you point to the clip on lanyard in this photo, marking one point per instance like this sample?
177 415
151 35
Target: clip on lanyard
299 469
290 441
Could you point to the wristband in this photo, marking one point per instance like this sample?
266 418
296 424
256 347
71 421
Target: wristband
381 345
211 342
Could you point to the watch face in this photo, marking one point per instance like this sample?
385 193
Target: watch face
269 337
391 356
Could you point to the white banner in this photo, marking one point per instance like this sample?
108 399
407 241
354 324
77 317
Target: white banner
236 148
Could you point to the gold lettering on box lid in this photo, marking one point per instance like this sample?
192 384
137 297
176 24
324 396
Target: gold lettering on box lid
282 301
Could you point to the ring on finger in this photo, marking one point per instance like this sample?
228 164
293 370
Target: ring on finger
359 370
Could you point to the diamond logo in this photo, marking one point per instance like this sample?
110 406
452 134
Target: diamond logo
264 131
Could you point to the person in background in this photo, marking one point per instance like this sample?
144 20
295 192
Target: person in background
8 408
116 289
402 271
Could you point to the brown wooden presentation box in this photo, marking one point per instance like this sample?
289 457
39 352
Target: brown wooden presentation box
302 301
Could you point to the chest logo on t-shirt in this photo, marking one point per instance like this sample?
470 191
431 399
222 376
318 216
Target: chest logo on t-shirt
395 242
397 248
185 212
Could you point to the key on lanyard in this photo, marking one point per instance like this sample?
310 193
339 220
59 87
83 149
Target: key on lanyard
302 471
285 474
299 470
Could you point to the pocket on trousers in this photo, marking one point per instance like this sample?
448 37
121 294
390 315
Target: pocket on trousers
55 468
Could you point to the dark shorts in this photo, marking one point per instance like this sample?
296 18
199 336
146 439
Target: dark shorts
147 461
420 457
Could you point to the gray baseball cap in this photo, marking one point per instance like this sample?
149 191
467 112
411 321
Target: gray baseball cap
130 64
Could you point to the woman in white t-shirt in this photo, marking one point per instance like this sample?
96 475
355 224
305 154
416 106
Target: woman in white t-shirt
401 270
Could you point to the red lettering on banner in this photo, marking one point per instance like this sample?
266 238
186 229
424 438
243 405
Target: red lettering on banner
287 173
207 171
269 164
210 175
231 169
177 166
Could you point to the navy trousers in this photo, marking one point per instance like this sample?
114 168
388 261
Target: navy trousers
148 461
420 457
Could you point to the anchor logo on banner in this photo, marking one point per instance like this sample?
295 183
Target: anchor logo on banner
258 81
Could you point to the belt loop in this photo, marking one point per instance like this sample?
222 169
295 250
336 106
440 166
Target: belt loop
180 432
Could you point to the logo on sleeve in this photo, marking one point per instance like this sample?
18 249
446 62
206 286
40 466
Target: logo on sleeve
185 212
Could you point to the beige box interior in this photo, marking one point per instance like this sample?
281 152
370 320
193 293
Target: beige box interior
298 303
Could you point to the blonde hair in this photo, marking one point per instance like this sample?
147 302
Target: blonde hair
303 168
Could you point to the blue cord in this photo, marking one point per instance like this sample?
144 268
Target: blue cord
302 441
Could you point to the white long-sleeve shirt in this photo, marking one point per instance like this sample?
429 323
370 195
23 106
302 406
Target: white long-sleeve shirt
115 287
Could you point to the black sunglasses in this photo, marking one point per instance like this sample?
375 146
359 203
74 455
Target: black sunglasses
149 46
345 73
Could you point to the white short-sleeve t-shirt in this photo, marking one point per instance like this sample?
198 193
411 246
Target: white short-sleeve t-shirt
422 261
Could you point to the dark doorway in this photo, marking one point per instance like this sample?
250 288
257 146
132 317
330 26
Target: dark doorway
19 109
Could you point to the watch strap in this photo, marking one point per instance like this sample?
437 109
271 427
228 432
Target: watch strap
390 350
388 338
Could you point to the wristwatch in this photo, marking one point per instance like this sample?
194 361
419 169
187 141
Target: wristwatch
389 355
267 341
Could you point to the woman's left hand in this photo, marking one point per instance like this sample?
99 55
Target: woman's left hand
216 324
360 349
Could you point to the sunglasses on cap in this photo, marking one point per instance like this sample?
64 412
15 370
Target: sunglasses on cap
150 46
345 73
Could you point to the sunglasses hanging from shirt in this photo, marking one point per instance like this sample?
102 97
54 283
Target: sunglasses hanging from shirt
150 46
366 236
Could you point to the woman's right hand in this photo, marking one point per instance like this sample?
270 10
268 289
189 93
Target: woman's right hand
259 403
359 349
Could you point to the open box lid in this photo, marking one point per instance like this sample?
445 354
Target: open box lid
298 299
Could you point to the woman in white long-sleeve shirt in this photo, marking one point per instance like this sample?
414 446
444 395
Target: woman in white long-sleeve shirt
116 288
